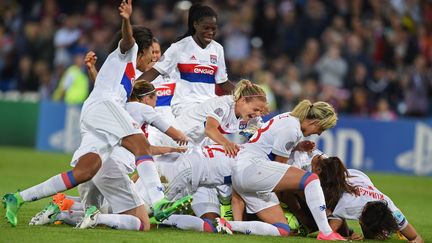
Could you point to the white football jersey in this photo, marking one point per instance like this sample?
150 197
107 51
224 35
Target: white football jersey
303 160
278 136
146 115
214 169
351 206
192 121
198 70
116 78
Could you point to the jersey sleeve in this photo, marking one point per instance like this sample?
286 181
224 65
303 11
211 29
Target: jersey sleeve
221 74
284 143
153 118
218 110
168 61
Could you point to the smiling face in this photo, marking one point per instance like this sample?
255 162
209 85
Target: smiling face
249 109
205 31
144 59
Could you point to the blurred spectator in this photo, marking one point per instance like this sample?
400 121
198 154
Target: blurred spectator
354 54
418 89
383 111
73 87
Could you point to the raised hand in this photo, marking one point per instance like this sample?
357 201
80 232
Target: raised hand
125 9
90 59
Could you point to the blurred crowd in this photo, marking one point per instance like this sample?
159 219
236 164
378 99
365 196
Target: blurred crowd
368 58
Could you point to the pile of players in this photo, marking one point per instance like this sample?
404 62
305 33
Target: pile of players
159 117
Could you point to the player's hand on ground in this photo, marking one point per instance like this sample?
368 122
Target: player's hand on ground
356 236
90 59
126 9
231 149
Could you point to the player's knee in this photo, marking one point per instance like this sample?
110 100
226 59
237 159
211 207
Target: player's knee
307 178
284 229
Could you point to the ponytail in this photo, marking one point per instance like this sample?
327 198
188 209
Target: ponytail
321 111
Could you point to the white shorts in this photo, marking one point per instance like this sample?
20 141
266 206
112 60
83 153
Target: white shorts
205 200
181 184
103 125
255 182
117 188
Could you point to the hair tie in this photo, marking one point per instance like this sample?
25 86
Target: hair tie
310 107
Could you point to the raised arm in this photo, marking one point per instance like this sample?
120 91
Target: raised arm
127 41
90 61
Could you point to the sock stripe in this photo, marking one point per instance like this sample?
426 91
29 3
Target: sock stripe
141 228
306 179
208 226
144 158
283 229
68 179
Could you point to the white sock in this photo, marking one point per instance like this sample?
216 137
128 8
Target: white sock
77 206
120 221
316 203
70 217
76 199
185 222
254 228
150 179
53 185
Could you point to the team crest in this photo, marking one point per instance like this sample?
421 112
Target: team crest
213 59
219 112
243 125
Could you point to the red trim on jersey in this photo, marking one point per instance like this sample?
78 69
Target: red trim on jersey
130 72
197 68
261 130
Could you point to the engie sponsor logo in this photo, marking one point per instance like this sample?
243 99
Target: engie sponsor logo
165 90
204 69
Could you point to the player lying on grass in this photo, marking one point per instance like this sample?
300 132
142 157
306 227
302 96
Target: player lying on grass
352 195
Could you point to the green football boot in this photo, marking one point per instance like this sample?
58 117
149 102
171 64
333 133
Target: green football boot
165 208
12 204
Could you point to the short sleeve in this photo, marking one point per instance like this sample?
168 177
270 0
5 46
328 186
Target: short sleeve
218 110
168 60
221 75
283 145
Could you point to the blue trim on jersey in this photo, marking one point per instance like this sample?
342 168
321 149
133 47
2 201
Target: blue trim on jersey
198 78
227 180
163 101
127 85
271 156
303 180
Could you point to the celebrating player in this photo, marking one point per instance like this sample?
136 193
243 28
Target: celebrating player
261 170
197 59
352 195
105 123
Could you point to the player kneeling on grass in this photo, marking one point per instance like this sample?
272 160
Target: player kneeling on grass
352 195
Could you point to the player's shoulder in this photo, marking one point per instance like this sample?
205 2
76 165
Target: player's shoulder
216 45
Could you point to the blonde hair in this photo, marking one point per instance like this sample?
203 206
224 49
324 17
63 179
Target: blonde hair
246 89
321 111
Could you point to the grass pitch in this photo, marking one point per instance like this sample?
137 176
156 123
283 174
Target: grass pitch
21 168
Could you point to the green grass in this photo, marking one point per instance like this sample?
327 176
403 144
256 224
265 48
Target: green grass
21 168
